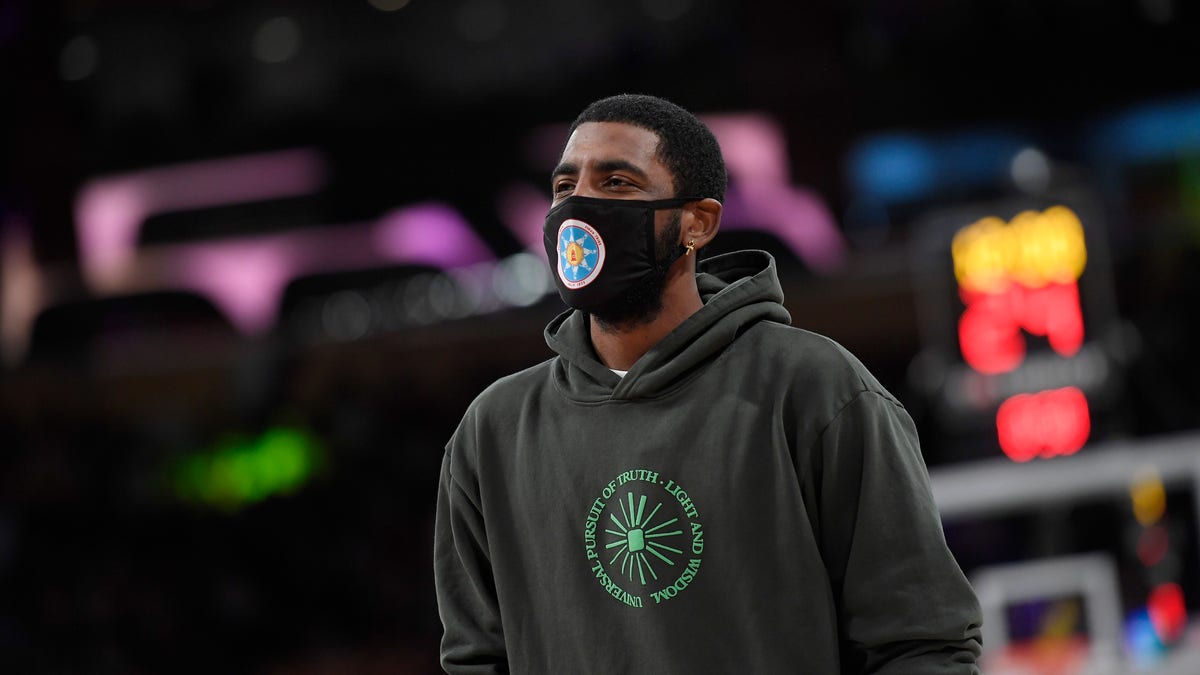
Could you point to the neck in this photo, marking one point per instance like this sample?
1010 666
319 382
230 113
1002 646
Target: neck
620 346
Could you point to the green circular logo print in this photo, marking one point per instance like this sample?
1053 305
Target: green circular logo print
643 538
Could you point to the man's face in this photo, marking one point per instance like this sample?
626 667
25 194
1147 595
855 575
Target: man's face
612 160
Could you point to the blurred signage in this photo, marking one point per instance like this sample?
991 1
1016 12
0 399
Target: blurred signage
1019 276
242 470
1016 278
1157 624
1046 424
246 275
1051 616
1017 322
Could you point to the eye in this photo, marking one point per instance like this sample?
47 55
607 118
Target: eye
562 186
617 182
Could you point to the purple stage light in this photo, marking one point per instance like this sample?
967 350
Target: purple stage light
246 276
110 211
245 279
762 197
523 208
430 233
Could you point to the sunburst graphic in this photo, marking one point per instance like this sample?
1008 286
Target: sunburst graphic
574 252
636 538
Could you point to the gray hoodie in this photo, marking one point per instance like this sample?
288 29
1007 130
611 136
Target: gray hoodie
747 499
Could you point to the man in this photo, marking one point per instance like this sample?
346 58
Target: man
690 485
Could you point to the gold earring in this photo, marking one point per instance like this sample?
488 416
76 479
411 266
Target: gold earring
691 246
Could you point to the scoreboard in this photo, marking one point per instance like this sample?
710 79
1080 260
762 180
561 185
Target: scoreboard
1022 350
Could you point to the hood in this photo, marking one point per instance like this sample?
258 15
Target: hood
738 289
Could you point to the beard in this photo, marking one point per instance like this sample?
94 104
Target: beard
643 302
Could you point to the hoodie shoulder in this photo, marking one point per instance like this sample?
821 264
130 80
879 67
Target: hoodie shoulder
816 363
511 392
495 413
814 378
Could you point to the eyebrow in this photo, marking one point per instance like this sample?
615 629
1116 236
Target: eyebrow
604 166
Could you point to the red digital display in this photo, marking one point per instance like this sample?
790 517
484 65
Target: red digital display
989 331
1168 613
1016 278
1046 424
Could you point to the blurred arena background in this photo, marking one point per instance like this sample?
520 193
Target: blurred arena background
257 257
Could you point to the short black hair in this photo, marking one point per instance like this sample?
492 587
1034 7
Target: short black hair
685 144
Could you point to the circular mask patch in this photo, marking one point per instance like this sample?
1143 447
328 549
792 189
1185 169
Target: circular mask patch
580 253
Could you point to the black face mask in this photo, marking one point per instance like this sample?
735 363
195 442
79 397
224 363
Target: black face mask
598 249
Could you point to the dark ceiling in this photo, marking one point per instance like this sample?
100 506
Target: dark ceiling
433 100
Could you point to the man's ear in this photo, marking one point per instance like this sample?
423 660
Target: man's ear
701 222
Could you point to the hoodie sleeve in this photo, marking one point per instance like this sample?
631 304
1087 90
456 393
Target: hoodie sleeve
473 641
904 605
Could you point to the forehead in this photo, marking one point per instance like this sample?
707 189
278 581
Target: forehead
594 142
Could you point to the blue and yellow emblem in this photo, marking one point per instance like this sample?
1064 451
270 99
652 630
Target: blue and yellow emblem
580 254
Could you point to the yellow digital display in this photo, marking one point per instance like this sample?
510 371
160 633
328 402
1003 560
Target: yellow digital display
1035 249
